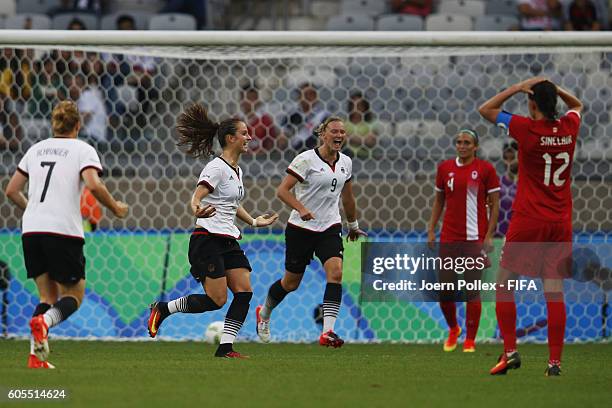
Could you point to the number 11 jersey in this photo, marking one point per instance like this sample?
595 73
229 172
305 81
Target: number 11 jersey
53 167
319 188
545 156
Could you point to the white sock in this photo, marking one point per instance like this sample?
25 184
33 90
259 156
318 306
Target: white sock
52 317
328 323
178 305
31 345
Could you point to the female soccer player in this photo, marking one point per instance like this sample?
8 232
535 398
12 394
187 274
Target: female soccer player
315 227
467 184
542 210
52 231
216 259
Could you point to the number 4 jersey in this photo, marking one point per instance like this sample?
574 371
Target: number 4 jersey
545 156
319 188
54 167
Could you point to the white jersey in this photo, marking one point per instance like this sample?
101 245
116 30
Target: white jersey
226 191
53 167
319 188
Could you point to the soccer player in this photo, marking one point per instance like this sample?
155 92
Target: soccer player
52 230
542 210
320 177
216 259
464 185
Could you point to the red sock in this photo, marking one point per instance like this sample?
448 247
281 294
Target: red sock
506 318
556 325
472 318
450 313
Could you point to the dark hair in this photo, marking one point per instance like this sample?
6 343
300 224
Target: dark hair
197 131
545 98
470 132
125 18
77 22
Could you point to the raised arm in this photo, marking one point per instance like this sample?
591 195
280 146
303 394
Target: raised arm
570 100
491 108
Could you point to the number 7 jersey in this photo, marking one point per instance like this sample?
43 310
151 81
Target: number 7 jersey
53 167
319 188
545 157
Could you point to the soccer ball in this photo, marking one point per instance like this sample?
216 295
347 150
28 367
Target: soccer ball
213 332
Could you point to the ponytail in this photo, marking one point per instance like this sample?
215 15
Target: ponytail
197 131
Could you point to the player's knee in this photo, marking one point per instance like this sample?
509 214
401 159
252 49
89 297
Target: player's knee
335 275
291 283
220 299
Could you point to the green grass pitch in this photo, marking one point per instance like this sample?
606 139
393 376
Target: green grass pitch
177 374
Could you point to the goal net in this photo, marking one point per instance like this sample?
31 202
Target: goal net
403 105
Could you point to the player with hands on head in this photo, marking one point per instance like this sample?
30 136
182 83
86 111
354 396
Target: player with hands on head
316 181
217 261
52 232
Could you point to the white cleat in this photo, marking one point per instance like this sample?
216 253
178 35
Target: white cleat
263 326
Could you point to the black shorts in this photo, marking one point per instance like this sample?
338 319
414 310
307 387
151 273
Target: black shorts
301 244
211 255
61 257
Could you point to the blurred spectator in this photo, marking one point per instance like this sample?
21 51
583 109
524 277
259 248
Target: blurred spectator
261 125
90 101
582 16
540 15
15 91
47 88
421 8
76 24
11 132
361 127
508 185
197 8
300 123
126 22
97 7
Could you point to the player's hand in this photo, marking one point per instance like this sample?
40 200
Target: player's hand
204 212
353 235
266 219
306 215
121 209
431 239
527 84
488 244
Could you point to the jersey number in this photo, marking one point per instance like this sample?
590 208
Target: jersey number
450 183
557 174
334 184
51 166
240 192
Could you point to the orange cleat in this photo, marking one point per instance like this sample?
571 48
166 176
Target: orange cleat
40 333
34 362
469 346
451 342
505 363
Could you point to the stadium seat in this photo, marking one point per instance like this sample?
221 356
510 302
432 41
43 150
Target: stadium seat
306 23
1 22
7 8
502 7
447 22
350 23
399 22
35 6
61 20
367 7
472 8
17 22
496 23
172 21
324 8
151 6
109 22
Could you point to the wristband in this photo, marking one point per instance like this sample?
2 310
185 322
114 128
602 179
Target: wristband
255 222
352 226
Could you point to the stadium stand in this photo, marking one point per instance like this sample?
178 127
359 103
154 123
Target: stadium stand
399 22
172 21
141 18
496 23
28 21
473 8
448 22
356 22
61 20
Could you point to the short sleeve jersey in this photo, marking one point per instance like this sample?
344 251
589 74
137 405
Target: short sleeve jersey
319 188
465 189
545 157
54 167
226 191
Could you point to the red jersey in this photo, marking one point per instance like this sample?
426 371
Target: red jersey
465 189
545 157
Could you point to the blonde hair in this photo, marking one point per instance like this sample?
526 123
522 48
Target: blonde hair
64 117
321 128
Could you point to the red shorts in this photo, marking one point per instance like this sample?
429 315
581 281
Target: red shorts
538 248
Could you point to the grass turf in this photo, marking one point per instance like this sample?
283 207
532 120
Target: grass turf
169 374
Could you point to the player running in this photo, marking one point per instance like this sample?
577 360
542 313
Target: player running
542 210
52 230
464 185
216 259
324 175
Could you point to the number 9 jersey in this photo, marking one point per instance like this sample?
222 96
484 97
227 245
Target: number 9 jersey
53 167
545 156
319 188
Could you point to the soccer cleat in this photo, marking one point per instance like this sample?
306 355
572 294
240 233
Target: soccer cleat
451 342
40 333
505 363
34 362
469 346
330 339
553 370
263 326
155 319
231 354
